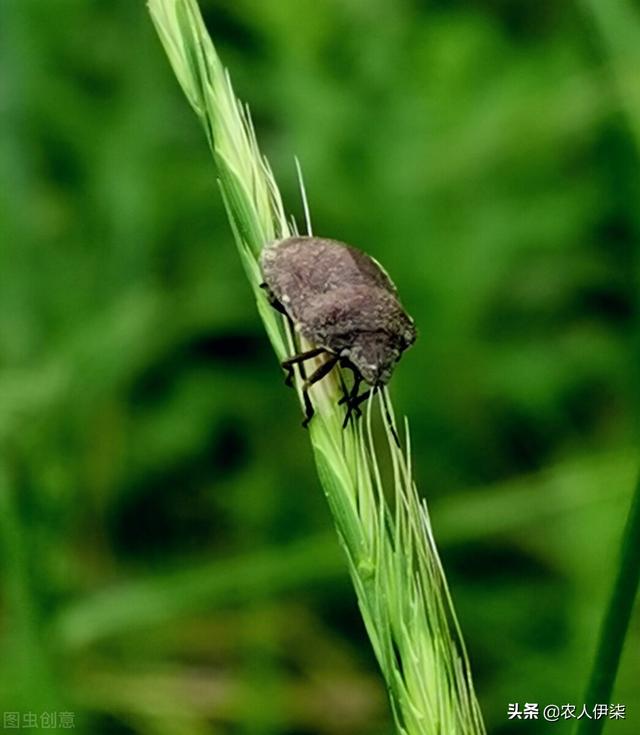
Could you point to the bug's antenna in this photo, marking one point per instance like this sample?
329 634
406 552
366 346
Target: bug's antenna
387 414
303 192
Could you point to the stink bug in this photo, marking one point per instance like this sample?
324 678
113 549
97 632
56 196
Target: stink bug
342 302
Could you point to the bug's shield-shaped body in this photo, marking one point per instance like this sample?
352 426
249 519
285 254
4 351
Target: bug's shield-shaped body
340 299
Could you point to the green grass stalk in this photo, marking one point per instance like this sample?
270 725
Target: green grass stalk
618 24
391 553
616 621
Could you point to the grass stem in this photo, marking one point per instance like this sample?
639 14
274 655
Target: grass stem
382 523
616 621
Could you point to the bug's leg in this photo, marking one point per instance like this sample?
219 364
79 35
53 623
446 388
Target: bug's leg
289 363
302 357
273 301
357 379
308 408
349 396
320 373
292 336
352 399
347 416
277 305
361 399
343 388
354 407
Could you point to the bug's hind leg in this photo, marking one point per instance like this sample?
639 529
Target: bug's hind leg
320 373
290 362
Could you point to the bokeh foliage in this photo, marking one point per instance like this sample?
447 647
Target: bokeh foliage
167 562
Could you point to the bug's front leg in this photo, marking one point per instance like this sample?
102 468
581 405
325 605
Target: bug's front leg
289 363
353 407
351 399
323 370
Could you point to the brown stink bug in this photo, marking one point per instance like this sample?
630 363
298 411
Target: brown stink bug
341 301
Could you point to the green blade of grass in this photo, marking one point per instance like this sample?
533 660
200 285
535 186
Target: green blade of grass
616 621
618 24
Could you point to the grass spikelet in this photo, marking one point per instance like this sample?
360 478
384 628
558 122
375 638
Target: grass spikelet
382 524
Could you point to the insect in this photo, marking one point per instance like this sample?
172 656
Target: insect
343 302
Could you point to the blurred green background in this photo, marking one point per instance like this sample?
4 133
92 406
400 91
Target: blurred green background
167 561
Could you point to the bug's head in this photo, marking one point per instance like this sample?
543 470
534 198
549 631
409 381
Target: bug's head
375 355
